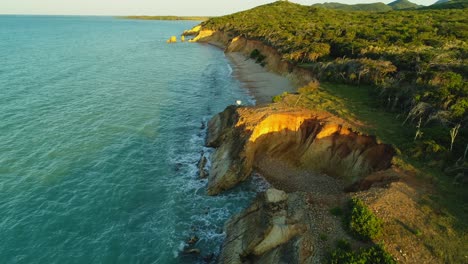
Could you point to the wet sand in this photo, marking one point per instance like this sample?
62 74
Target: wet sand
262 84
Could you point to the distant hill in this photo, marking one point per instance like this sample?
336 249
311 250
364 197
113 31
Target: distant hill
403 4
449 4
374 7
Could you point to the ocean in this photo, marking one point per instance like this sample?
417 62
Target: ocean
102 124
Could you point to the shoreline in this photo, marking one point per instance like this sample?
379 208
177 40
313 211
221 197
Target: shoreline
302 225
261 83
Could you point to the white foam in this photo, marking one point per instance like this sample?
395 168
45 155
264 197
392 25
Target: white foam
230 70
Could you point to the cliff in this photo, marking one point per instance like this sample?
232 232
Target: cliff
310 142
273 60
315 162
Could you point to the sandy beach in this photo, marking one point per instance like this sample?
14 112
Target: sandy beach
262 84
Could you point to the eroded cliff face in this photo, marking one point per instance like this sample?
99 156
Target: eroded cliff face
278 141
311 159
233 43
268 226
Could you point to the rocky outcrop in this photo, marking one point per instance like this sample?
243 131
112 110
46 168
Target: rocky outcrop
172 39
309 142
310 158
284 228
193 31
265 226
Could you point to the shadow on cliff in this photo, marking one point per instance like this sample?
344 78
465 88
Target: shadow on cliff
294 150
320 154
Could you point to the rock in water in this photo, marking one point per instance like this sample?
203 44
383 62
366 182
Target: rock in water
172 39
195 251
202 167
193 240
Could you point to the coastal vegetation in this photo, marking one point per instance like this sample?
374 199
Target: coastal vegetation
362 223
414 63
365 227
399 75
375 254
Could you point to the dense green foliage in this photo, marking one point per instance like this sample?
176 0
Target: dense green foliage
363 224
415 59
375 254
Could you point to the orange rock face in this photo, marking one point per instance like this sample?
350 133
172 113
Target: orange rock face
250 138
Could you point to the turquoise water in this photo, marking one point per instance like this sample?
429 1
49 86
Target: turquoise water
100 134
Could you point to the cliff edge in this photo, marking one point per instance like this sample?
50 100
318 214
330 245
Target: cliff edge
291 147
316 162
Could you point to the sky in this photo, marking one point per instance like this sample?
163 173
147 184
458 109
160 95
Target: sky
149 7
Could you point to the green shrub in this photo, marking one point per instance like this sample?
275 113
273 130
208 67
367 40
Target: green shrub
374 255
336 211
340 256
254 54
363 224
312 86
279 97
427 149
260 58
323 237
343 244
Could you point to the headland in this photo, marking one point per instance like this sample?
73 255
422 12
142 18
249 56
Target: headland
339 193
